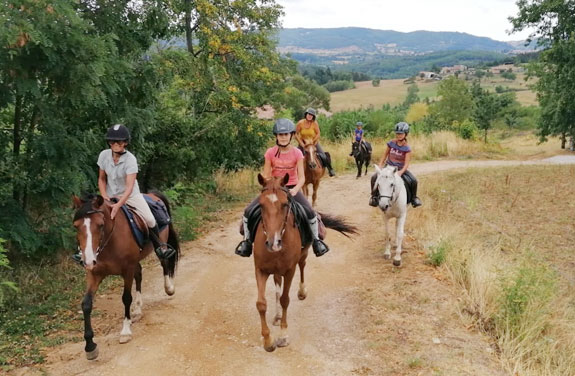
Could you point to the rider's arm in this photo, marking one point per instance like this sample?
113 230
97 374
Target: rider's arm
298 135
267 169
130 181
317 133
301 178
406 165
102 182
384 157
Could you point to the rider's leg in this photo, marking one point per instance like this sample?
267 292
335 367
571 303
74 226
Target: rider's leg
351 153
319 247
373 201
244 249
327 159
163 250
415 201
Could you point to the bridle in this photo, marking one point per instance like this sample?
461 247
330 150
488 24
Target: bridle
285 220
103 243
377 184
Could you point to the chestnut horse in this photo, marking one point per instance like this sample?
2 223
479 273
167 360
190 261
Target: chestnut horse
109 248
314 171
278 250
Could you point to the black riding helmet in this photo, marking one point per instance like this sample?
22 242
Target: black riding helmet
310 111
118 132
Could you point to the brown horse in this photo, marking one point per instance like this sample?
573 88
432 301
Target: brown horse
109 248
278 250
314 171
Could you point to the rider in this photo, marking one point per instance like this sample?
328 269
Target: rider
118 169
358 137
307 132
398 154
279 160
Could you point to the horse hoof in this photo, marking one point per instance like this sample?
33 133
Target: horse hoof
387 257
170 291
91 355
125 338
282 342
301 295
277 321
270 348
137 316
396 262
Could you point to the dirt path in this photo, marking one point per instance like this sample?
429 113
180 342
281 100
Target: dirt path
362 316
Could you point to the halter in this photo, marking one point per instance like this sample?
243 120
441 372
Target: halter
285 217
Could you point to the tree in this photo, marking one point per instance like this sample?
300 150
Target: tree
412 96
455 103
554 24
416 112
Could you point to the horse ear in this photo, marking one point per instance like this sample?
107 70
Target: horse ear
77 202
261 180
285 180
99 201
377 168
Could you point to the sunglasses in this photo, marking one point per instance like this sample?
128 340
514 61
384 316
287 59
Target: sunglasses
111 142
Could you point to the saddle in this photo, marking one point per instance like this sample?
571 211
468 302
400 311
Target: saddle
137 223
407 182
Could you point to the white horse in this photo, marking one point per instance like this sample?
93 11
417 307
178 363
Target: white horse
392 201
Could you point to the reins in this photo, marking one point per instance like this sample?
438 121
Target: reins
103 243
288 211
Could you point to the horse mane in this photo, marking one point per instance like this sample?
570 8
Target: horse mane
87 206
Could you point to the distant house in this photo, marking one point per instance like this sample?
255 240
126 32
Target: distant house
454 69
424 75
507 67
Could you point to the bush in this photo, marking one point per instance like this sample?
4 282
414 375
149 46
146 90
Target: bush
333 86
467 130
375 82
4 264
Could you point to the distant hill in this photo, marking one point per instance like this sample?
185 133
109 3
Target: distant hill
361 41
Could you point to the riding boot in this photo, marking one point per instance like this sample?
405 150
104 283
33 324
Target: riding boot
319 247
373 199
244 249
163 250
328 164
415 201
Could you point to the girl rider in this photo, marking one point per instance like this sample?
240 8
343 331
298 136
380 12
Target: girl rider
307 132
398 154
279 160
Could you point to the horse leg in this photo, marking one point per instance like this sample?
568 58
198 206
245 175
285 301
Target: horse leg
261 279
137 310
387 252
126 333
283 340
278 284
91 348
314 195
358 164
367 162
304 190
399 239
168 266
302 292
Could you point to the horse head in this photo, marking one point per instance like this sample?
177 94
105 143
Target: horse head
387 186
275 210
355 150
310 153
90 219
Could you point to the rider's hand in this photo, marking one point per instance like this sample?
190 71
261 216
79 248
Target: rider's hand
293 191
115 209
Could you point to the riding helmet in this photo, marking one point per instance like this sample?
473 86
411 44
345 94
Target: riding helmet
402 127
118 132
310 111
283 126
359 123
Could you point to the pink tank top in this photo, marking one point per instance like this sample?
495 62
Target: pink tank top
285 163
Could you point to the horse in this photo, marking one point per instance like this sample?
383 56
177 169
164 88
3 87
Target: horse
108 248
314 171
278 249
361 155
392 200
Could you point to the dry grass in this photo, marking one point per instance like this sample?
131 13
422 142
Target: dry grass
393 92
509 235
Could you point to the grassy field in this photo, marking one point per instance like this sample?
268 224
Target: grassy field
505 239
394 91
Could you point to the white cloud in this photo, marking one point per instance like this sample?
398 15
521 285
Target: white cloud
486 18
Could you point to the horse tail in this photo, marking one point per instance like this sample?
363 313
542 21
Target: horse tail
338 224
173 239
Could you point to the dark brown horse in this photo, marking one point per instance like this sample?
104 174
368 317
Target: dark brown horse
278 250
109 248
314 171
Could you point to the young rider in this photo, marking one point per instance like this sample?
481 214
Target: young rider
279 160
307 132
398 154
118 169
358 134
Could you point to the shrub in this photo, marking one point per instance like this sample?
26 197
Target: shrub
467 130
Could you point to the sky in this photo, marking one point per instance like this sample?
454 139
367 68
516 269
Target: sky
484 18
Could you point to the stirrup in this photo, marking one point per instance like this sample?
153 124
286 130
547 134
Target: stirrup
416 202
319 247
244 249
331 172
165 253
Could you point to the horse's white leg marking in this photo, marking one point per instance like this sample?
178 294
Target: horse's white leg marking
137 306
278 316
126 333
169 287
399 239
387 252
302 293
89 253
272 197
283 339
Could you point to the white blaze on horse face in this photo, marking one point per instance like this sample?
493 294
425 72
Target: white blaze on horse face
272 197
89 253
